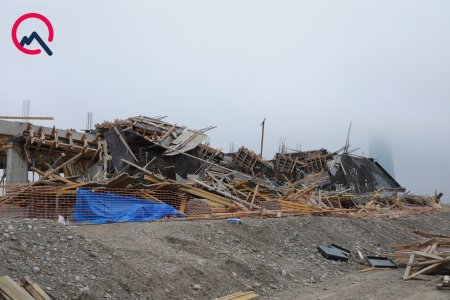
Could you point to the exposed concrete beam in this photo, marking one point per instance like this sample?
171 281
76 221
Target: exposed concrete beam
17 128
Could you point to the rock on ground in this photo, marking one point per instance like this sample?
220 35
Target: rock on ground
204 259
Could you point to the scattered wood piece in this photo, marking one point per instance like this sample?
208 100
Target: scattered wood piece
34 289
10 290
426 256
373 269
250 295
444 283
408 268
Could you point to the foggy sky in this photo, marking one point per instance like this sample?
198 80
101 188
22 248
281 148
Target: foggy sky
310 67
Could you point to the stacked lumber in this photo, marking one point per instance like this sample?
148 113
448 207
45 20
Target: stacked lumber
425 257
27 290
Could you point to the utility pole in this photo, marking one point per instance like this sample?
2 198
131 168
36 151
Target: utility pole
262 136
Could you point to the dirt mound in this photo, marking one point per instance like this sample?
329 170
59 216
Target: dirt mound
65 264
193 259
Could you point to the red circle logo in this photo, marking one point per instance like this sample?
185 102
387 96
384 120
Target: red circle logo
34 35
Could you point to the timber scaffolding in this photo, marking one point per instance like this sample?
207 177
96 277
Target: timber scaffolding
151 160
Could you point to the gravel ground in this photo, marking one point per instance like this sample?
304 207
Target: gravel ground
374 285
64 263
204 259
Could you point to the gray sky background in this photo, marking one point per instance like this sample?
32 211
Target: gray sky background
310 67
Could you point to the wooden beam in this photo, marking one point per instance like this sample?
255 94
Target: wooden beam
46 175
425 270
74 186
198 158
53 175
34 289
408 267
250 295
124 142
25 118
239 202
138 167
10 290
182 206
254 194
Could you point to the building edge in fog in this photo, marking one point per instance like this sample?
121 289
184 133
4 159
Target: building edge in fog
380 149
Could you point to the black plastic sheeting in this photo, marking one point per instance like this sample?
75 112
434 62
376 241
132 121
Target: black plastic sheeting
381 262
334 252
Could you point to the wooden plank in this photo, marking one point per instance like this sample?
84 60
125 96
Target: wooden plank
214 205
254 194
10 290
408 267
182 206
124 142
148 196
46 175
74 186
433 247
53 175
206 195
34 289
420 253
198 158
426 263
425 270
239 202
137 167
117 150
250 295
26 118
122 180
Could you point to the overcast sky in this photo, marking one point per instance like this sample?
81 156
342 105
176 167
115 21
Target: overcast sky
310 67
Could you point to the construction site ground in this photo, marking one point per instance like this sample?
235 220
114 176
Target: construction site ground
204 259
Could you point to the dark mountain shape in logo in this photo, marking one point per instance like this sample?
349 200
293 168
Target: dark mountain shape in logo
34 36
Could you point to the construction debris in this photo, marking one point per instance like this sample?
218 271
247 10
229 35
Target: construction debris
250 295
427 256
163 260
444 283
27 290
148 159
334 252
381 262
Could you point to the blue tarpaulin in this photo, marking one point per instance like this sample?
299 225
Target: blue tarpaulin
99 208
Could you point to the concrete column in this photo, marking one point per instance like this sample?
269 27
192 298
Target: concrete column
16 166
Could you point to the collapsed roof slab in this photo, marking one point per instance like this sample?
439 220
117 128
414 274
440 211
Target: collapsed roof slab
14 129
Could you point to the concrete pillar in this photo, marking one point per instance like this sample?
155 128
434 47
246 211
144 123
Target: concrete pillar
16 165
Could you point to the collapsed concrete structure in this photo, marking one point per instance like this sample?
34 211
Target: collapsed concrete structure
26 147
153 155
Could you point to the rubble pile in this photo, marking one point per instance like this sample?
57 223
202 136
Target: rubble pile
429 255
169 260
151 160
